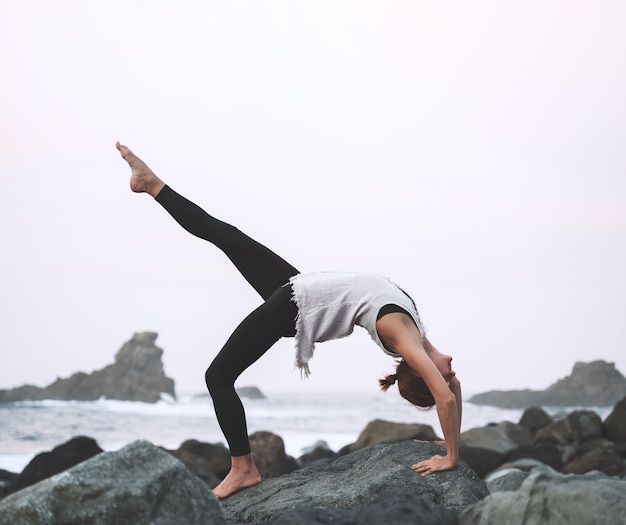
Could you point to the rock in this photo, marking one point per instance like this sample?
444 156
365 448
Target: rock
136 375
355 480
553 499
319 452
590 384
268 450
558 431
535 418
209 462
137 484
525 465
250 392
481 460
393 505
576 427
602 458
615 423
379 431
506 480
545 451
586 425
59 459
502 437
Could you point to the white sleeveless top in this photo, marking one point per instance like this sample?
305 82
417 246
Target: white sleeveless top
330 304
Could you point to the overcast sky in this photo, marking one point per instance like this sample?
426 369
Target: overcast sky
474 152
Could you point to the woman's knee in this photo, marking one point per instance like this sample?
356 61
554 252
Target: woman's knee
216 378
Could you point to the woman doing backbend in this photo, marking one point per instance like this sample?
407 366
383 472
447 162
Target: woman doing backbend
311 308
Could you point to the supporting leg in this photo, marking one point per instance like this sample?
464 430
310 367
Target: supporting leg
252 338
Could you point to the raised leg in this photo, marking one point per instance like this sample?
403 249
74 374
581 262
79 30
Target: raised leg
261 267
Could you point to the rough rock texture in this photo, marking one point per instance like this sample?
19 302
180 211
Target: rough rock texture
136 375
392 505
553 499
590 384
138 484
60 458
506 480
355 480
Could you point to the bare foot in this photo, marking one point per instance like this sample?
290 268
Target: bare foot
142 178
243 474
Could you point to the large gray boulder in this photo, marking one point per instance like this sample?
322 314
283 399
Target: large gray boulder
392 505
136 375
137 484
356 480
590 384
553 499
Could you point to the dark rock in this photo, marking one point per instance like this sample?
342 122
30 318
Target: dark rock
481 460
535 418
590 384
393 505
137 484
268 451
319 452
59 459
357 479
602 458
586 425
545 451
558 431
209 462
379 431
136 375
576 427
553 498
615 423
502 437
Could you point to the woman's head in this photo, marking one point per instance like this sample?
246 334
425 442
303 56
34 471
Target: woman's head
411 386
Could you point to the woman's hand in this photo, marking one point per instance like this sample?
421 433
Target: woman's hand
435 464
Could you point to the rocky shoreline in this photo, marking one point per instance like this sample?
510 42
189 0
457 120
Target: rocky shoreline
538 470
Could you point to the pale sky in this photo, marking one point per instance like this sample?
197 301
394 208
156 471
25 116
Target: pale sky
474 152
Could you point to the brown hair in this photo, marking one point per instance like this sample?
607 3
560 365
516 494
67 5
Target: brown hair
412 387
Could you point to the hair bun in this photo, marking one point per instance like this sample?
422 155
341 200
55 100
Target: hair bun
387 381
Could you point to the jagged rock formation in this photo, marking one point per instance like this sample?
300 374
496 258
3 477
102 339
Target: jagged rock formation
136 375
590 384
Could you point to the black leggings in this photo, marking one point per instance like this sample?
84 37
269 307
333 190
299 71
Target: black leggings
275 318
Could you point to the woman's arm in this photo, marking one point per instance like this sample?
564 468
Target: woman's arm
399 332
455 388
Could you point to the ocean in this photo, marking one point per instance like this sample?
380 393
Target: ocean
301 419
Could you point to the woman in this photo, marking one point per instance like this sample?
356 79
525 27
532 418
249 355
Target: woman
312 308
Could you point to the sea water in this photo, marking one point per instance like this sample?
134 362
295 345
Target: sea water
301 419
